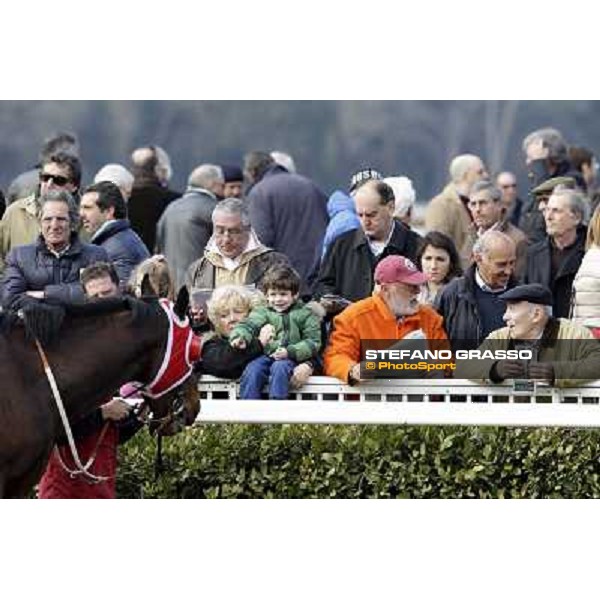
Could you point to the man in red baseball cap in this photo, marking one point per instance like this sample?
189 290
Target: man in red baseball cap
391 313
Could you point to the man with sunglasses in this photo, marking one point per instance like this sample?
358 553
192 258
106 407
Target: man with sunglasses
20 224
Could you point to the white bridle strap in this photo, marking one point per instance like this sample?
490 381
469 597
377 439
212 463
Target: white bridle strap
65 421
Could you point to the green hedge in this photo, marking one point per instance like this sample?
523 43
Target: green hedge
335 461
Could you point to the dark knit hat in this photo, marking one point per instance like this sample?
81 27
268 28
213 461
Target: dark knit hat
232 173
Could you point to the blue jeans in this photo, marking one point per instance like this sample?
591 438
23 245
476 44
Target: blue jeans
263 369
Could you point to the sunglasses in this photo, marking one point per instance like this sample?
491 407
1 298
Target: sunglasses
58 179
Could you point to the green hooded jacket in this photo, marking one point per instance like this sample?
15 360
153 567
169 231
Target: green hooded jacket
298 330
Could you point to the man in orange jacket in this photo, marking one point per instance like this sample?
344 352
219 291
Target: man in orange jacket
391 313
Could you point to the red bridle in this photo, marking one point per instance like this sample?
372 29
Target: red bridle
183 349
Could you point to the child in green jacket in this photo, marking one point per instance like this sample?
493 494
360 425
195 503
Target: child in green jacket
295 336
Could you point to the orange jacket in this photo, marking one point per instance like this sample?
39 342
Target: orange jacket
371 319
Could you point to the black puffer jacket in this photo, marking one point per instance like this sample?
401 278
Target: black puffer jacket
34 267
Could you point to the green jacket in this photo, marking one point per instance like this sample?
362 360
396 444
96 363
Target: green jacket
571 348
298 330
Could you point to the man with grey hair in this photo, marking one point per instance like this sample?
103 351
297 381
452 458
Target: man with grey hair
555 260
448 211
118 175
489 214
150 195
186 225
471 304
49 268
20 223
234 255
404 198
285 160
562 353
546 157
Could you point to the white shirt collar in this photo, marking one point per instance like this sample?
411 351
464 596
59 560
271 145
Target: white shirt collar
378 247
484 286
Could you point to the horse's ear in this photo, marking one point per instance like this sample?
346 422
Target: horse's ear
182 303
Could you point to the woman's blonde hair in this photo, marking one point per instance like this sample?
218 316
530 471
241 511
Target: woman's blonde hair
159 281
226 297
593 232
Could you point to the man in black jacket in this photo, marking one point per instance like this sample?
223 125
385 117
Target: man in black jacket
347 268
150 194
471 305
554 261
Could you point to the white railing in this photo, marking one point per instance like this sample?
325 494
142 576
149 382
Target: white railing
326 400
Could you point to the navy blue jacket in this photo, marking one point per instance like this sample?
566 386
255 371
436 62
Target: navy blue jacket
289 214
123 245
458 306
33 267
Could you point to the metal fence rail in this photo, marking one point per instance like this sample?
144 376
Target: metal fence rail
326 400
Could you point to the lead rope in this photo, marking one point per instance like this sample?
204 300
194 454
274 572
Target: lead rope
65 421
74 472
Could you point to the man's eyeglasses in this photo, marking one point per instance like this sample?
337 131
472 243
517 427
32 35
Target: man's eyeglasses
508 185
58 179
233 232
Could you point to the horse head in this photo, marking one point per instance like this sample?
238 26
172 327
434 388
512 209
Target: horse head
172 395
175 410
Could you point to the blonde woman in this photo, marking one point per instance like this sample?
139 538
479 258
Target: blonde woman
585 308
228 306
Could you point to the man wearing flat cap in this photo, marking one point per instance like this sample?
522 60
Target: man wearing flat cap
532 217
391 313
563 353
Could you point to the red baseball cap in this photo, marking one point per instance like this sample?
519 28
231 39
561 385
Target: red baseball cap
398 269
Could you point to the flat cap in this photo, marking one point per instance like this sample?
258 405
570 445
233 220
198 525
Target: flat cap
547 187
531 292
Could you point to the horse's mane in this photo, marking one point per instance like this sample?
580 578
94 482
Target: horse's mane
44 320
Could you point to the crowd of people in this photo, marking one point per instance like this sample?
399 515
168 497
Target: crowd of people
285 282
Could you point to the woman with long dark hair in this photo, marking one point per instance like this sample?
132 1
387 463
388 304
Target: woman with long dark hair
438 259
